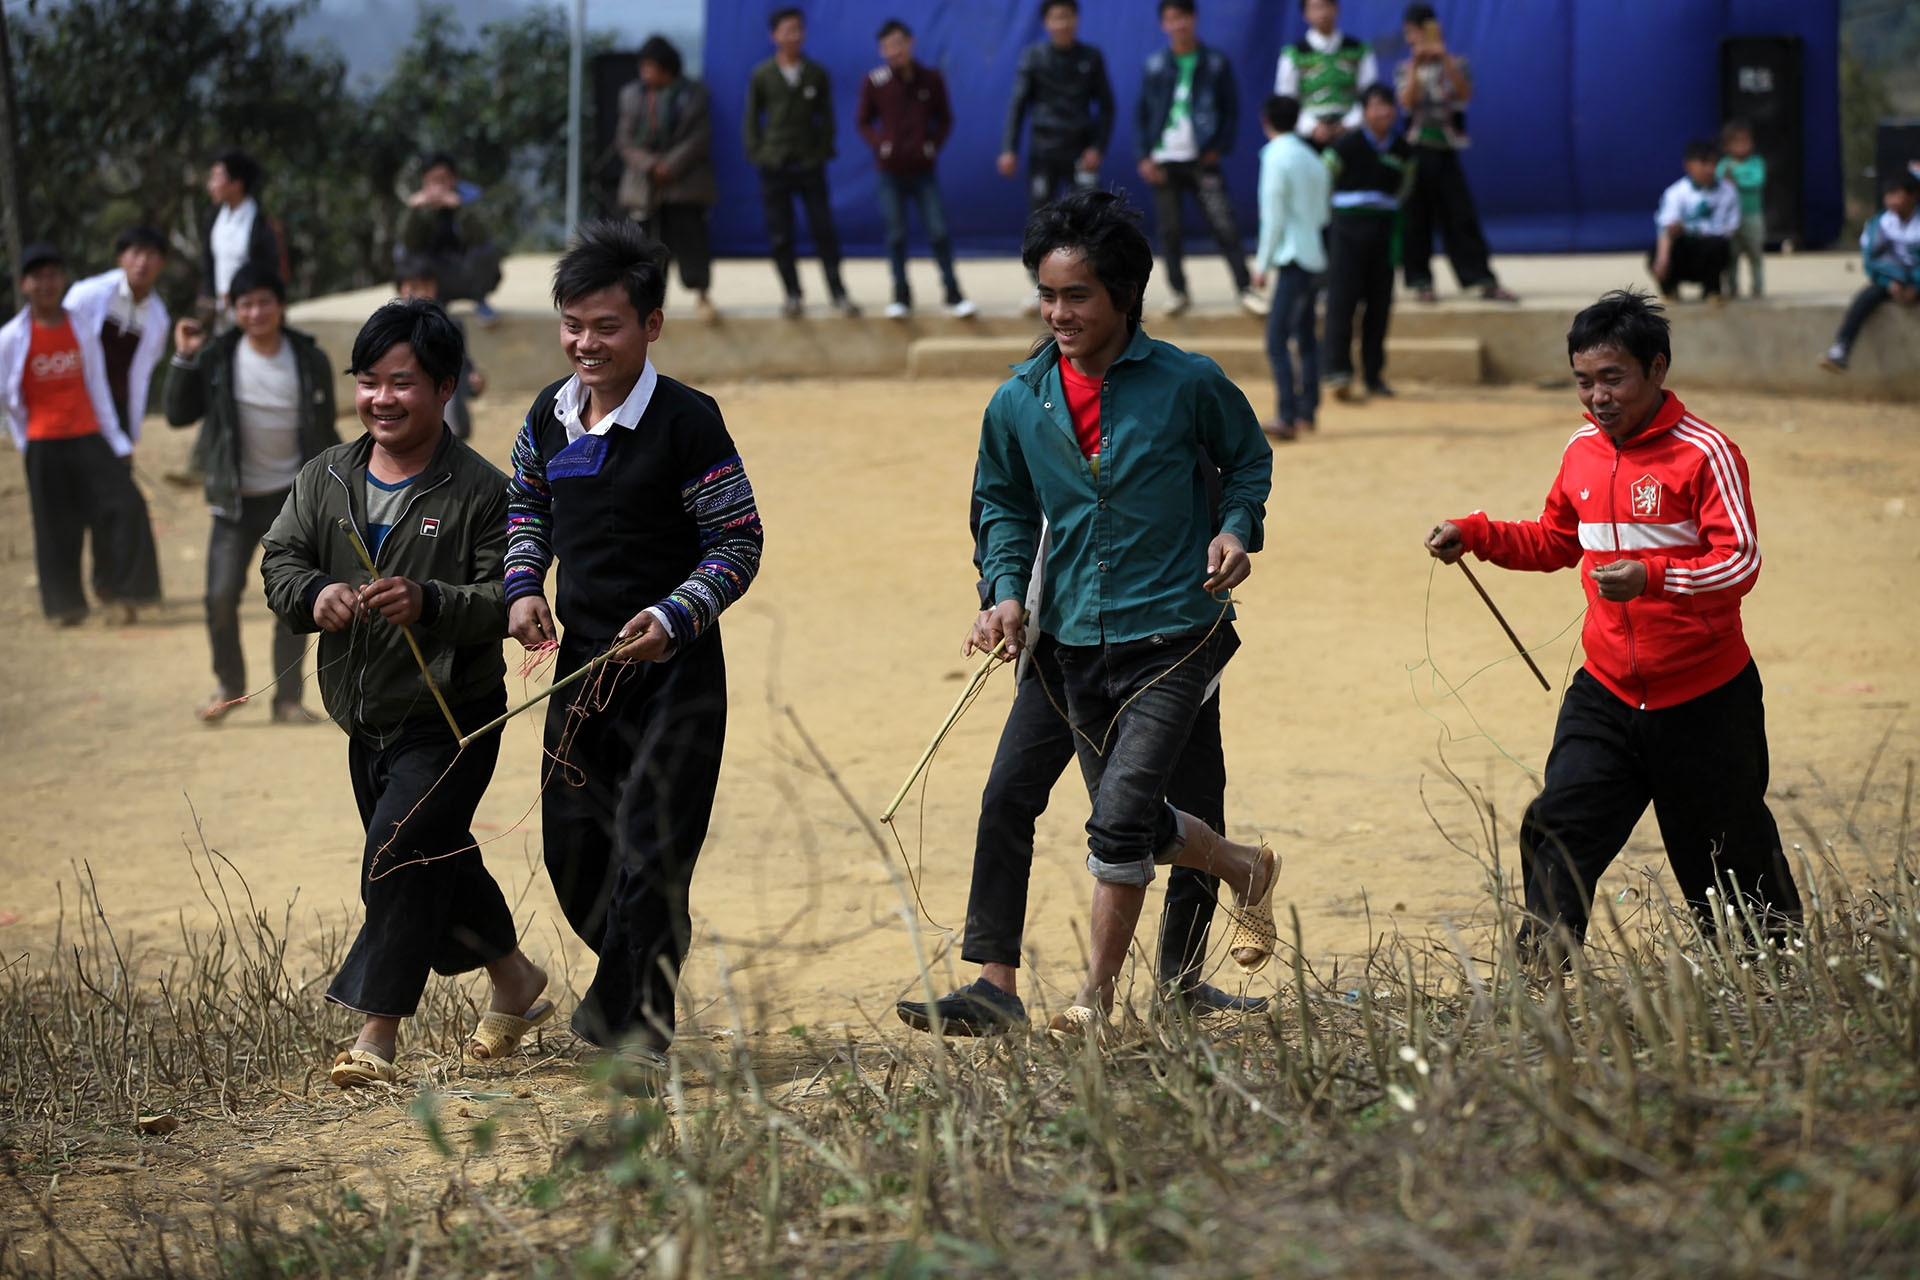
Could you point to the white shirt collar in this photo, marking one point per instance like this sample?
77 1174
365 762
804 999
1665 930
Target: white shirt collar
571 403
1324 44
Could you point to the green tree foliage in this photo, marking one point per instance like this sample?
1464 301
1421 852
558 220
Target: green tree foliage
124 103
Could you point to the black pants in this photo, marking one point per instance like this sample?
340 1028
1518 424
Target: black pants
1441 201
779 188
432 906
1702 764
1208 186
1864 304
472 272
1035 747
1359 274
1700 260
230 547
78 489
683 229
1051 175
625 806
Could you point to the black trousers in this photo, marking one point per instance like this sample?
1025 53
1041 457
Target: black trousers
1864 304
1035 747
1700 260
432 906
779 188
231 544
1050 175
1441 201
1359 274
629 792
1208 186
78 489
683 229
1702 765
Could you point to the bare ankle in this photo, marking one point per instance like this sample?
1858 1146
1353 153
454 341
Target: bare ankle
1003 976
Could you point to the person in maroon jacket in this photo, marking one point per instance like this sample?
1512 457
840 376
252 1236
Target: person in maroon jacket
905 117
1653 504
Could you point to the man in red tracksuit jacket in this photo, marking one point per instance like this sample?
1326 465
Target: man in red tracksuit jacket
1653 504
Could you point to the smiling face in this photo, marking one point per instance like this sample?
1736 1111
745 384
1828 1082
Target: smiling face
258 313
399 405
1077 308
606 341
1621 396
44 286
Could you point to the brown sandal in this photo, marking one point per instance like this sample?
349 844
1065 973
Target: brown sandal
1254 937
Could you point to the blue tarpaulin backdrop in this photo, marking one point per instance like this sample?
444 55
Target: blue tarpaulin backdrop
1580 111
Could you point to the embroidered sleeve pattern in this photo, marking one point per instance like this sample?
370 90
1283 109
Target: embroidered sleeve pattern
529 519
720 500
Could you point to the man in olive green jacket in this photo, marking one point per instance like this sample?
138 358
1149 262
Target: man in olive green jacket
789 130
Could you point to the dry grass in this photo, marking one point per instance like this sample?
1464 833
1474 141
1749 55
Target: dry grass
1676 1105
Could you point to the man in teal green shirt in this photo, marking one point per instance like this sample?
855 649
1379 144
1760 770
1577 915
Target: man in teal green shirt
1104 434
1746 169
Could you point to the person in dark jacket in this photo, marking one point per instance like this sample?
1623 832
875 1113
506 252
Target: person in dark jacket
431 513
665 136
262 395
789 134
442 223
1372 169
905 118
1184 123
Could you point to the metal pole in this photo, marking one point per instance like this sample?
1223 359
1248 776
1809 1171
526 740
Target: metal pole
576 39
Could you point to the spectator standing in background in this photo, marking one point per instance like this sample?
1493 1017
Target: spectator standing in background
1890 252
665 136
1746 169
1294 189
442 225
1326 70
789 130
905 118
1697 218
121 308
1187 115
1435 85
60 413
1064 85
236 234
1372 167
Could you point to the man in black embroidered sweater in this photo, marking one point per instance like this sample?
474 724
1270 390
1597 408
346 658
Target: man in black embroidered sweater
632 480
1372 170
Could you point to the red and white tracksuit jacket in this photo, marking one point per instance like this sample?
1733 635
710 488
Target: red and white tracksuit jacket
1674 498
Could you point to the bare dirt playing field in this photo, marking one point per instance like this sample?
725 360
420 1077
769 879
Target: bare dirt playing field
1332 726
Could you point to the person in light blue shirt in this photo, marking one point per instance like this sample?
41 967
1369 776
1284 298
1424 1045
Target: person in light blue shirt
1295 191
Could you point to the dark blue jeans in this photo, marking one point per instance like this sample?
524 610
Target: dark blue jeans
1291 317
896 191
1133 705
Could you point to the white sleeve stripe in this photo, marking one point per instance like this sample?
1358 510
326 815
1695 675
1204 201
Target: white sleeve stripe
1746 560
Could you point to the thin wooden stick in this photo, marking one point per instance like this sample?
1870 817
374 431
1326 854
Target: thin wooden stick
592 664
946 727
360 549
1499 618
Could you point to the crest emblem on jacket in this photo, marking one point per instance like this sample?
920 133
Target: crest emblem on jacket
1646 497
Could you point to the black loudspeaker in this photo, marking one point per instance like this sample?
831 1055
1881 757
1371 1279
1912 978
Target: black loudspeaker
601 166
1760 82
1896 146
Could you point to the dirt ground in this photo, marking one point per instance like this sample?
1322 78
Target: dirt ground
850 639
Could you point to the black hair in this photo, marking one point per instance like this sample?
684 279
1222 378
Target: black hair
1906 180
1701 149
241 168
1739 124
1048 6
423 325
1380 91
1103 227
892 25
437 159
660 52
252 276
1626 318
779 16
1181 6
609 252
415 266
1418 15
1281 113
141 235
1303 5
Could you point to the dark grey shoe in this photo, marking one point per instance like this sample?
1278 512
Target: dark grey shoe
979 1010
1206 998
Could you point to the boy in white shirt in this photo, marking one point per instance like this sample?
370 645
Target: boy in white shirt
1890 252
1697 218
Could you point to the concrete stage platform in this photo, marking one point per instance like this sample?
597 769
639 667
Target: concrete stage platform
1772 344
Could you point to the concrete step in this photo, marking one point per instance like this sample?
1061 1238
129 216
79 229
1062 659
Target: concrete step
1451 361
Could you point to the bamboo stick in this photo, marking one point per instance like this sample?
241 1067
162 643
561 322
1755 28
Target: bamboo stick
1497 617
360 549
946 727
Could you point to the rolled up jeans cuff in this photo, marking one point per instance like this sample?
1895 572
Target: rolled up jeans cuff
1140 871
